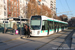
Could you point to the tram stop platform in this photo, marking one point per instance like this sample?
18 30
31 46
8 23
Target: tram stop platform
8 37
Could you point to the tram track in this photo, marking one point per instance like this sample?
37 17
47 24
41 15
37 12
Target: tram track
12 42
49 41
69 36
31 41
16 45
8 42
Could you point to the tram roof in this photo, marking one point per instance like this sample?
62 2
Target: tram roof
51 19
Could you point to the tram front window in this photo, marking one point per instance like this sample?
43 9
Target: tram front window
35 23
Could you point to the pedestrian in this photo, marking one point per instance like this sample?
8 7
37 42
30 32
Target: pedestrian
14 27
29 31
26 31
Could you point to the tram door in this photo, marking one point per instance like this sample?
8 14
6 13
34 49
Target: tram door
48 26
55 27
45 26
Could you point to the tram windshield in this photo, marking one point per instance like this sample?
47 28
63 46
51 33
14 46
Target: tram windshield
35 22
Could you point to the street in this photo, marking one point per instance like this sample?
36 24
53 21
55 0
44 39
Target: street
37 25
58 41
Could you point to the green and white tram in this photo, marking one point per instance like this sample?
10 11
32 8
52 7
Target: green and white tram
44 26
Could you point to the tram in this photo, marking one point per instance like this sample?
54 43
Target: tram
44 26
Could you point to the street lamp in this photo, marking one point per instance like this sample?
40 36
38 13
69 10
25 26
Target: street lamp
20 26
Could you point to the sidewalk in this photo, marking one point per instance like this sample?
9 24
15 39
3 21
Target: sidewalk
8 37
69 44
73 41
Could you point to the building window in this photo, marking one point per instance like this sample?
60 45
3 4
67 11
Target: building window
4 7
42 3
20 1
14 3
17 15
4 1
4 13
9 8
15 8
12 14
17 5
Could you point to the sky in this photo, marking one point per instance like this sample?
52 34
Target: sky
67 8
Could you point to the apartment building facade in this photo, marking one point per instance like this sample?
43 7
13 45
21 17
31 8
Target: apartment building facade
3 9
13 8
23 8
49 3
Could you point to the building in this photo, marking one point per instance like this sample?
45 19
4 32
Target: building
53 5
13 8
49 3
23 8
3 9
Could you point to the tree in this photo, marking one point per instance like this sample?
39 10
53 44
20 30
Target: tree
58 18
29 10
35 9
45 11
64 17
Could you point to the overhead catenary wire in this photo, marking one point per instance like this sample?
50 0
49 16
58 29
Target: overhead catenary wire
63 8
68 6
62 5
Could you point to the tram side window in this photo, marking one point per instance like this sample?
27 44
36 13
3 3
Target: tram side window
62 25
44 25
65 25
59 25
54 25
50 25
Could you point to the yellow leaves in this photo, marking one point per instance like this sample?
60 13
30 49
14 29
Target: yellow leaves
34 8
